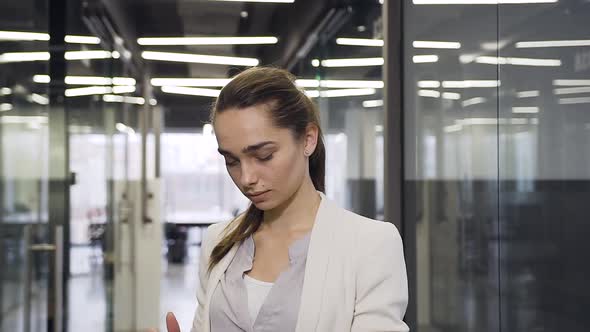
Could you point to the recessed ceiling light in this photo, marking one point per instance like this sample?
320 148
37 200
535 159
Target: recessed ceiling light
199 58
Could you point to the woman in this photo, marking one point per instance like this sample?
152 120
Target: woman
294 261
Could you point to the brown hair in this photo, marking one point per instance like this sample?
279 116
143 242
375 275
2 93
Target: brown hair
290 108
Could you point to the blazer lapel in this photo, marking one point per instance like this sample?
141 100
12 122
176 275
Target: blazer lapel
214 278
318 259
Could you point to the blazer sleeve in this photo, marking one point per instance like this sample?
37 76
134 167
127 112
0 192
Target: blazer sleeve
199 320
381 282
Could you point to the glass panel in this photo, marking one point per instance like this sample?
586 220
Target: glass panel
544 166
23 163
451 148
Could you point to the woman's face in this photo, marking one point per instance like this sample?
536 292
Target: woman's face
266 163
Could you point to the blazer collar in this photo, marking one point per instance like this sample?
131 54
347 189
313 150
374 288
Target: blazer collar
318 259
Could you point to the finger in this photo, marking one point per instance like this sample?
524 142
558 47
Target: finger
172 323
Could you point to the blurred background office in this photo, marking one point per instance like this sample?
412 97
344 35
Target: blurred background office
464 122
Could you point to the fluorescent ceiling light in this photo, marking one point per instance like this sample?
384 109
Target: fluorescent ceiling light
571 82
492 60
123 88
429 84
478 2
87 55
525 110
359 42
528 94
470 84
453 128
473 101
23 119
207 40
436 44
451 95
88 91
347 92
23 57
379 128
71 39
565 91
315 62
569 101
266 1
5 91
191 91
188 82
553 43
312 93
336 84
199 58
39 99
88 80
425 58
354 62
122 99
124 129
429 93
5 107
23 36
373 103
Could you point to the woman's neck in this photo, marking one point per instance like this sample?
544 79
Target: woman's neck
297 213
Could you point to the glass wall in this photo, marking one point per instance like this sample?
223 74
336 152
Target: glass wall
497 160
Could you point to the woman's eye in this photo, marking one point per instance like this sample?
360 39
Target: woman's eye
231 163
267 158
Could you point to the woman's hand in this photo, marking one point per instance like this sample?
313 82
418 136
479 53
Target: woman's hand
172 323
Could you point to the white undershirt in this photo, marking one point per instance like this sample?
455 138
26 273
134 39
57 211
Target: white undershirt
257 291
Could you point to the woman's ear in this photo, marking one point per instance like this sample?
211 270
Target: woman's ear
310 139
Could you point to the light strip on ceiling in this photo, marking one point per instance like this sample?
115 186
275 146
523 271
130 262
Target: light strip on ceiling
372 103
5 107
429 84
425 58
565 91
207 40
23 36
570 82
338 84
88 91
360 42
23 57
347 92
123 99
71 39
265 1
429 93
5 91
436 44
88 80
123 88
467 84
525 110
473 101
553 43
199 58
478 2
451 95
39 99
191 91
569 101
354 62
88 55
527 94
191 82
492 60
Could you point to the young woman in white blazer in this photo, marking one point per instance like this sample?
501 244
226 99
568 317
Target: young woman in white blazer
294 261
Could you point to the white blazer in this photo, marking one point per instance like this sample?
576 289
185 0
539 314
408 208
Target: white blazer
355 277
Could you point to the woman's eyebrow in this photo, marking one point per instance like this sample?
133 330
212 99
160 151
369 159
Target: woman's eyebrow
248 149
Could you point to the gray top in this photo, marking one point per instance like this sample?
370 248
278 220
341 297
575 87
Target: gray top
279 312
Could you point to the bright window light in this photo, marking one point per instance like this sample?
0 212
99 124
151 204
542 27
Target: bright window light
525 110
207 40
436 44
359 42
425 58
372 103
71 39
191 82
191 91
354 62
199 58
553 43
528 94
